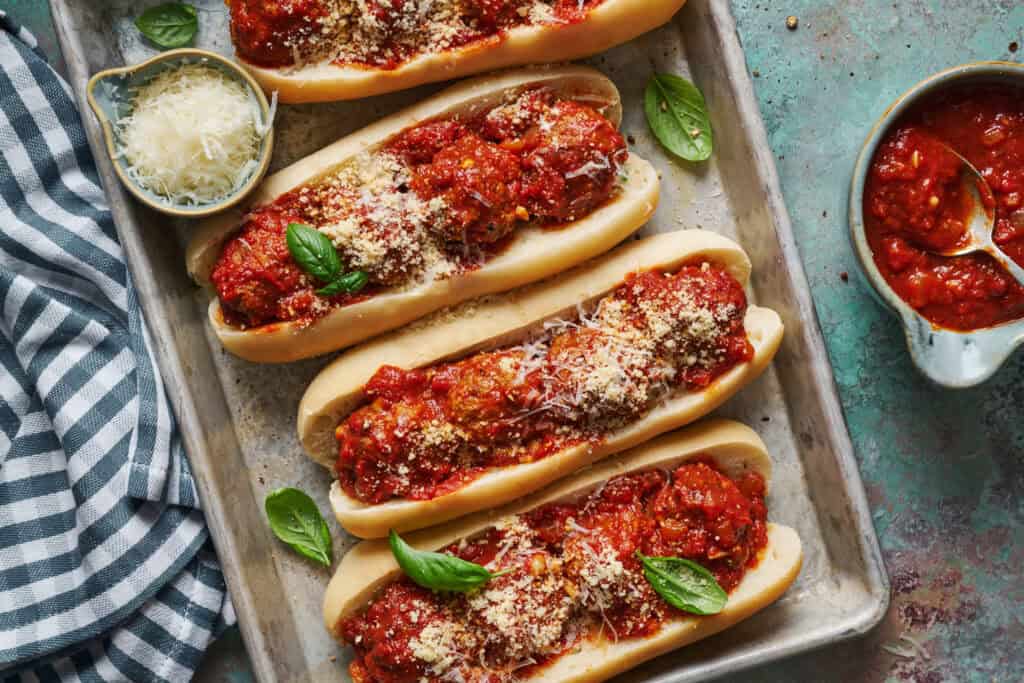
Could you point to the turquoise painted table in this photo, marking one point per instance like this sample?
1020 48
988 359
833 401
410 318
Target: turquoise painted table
944 470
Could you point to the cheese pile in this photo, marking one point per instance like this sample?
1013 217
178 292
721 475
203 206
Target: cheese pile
193 135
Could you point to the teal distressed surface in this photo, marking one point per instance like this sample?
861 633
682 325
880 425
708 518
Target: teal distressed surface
944 471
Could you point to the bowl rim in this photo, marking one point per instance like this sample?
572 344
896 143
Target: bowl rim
266 148
913 322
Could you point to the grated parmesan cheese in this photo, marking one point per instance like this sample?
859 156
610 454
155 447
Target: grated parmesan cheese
525 613
377 228
438 645
193 135
545 603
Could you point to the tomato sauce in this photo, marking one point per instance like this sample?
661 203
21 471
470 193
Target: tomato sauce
574 575
264 31
275 33
913 204
414 439
704 287
455 188
477 180
258 281
569 165
429 431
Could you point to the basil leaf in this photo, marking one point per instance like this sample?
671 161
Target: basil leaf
438 571
295 519
313 251
349 282
172 24
678 116
684 584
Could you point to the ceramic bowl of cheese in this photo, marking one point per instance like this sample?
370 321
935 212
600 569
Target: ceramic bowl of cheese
189 131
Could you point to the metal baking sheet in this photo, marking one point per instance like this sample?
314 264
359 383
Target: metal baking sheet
238 419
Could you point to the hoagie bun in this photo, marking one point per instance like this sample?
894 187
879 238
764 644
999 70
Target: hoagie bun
339 388
732 447
534 252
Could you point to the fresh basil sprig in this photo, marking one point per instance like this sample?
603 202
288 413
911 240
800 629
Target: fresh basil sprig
315 254
313 251
349 282
295 519
684 584
438 571
172 24
678 116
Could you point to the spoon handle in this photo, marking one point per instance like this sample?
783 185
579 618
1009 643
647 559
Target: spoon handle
1008 263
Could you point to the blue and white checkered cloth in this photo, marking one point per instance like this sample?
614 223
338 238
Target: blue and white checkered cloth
106 570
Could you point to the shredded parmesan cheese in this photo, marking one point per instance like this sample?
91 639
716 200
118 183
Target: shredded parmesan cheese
533 612
438 645
378 228
193 135
526 613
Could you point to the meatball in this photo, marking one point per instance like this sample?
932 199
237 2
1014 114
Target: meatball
389 250
687 296
375 445
572 162
483 399
419 145
256 278
267 32
704 514
478 182
381 635
398 444
506 123
600 378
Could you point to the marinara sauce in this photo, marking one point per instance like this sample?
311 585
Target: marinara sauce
266 32
573 575
383 34
913 203
428 431
453 190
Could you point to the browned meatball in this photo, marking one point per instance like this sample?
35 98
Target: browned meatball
256 278
483 397
477 181
573 162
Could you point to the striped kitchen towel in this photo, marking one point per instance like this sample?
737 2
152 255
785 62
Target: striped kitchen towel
106 570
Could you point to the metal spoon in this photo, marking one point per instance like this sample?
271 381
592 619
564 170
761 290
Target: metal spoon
979 220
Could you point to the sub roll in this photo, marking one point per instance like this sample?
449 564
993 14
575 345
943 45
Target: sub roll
492 184
321 50
479 406
574 604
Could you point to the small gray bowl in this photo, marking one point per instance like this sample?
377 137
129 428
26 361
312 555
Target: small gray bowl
110 96
949 358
